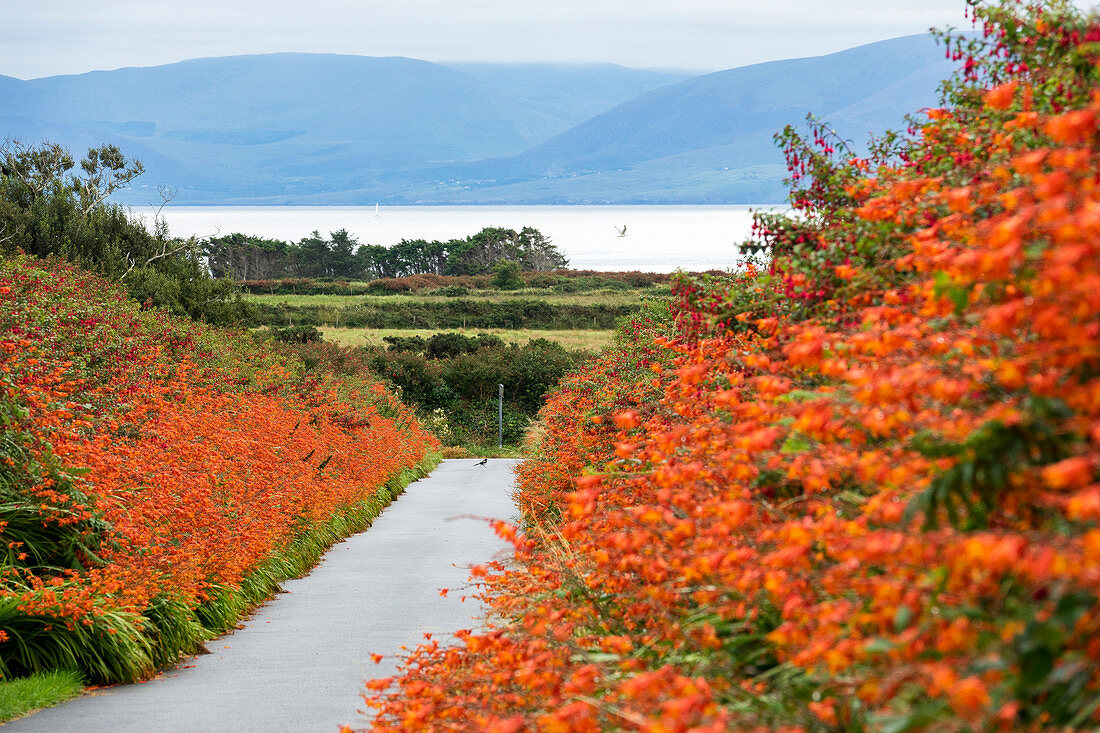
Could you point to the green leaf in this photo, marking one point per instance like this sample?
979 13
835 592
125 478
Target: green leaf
879 646
902 618
796 443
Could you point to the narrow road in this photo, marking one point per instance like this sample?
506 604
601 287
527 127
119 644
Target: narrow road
299 662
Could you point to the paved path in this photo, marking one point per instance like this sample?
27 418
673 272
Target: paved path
299 662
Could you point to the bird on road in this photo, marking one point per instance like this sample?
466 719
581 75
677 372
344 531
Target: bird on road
482 462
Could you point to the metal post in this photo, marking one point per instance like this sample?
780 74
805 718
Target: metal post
500 414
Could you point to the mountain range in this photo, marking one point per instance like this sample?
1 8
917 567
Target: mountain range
331 129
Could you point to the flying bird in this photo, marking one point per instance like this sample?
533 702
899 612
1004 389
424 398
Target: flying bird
482 462
622 232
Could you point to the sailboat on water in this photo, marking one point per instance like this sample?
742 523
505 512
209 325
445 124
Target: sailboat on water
377 213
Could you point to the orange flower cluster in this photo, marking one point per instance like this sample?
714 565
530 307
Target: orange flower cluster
867 497
190 454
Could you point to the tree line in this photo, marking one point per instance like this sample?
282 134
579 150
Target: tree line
340 255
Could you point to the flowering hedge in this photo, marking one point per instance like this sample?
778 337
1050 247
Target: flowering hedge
157 476
866 495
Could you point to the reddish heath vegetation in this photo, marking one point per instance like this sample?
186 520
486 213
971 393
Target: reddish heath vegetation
158 476
855 487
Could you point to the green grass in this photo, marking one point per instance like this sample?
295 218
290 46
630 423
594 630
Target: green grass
27 694
595 297
570 339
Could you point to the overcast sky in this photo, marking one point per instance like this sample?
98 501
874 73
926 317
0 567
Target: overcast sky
46 37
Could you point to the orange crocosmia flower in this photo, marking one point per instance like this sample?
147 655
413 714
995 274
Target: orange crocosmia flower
1071 473
627 420
1072 127
969 696
959 199
1085 505
1000 97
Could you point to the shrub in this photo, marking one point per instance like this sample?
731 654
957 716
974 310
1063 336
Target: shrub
298 334
506 276
460 374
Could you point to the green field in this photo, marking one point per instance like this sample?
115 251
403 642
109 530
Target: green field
570 339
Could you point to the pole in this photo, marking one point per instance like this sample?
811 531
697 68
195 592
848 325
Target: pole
500 414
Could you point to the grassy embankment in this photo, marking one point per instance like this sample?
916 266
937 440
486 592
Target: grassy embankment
21 696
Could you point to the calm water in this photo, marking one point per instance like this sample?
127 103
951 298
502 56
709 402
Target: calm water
658 238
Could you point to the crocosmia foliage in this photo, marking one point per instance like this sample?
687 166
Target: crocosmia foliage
856 487
158 476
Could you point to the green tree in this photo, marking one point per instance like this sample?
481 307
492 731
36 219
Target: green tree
246 257
341 260
506 275
375 261
312 256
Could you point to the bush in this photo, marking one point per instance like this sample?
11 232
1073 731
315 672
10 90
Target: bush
297 334
460 374
506 276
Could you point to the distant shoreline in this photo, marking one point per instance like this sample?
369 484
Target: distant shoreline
659 238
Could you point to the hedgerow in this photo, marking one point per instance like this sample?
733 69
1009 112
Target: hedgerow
158 477
864 495
521 313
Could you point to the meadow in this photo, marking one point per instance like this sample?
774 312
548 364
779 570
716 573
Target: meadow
454 308
328 310
586 340
447 346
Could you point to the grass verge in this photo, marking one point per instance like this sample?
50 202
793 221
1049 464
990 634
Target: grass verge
22 696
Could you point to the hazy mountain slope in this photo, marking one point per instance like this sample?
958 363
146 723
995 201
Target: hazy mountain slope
254 100
310 123
870 86
322 128
571 92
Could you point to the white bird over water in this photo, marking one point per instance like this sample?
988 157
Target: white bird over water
622 232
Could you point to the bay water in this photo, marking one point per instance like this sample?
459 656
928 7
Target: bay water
656 238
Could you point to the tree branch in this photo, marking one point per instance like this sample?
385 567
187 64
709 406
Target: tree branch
165 251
